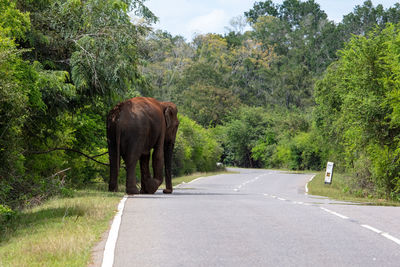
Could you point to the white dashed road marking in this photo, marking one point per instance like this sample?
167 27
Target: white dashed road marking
335 213
377 231
247 182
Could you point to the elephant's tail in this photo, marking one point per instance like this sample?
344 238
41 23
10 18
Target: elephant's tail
114 152
118 143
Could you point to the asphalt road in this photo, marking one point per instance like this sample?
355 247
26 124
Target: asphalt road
254 218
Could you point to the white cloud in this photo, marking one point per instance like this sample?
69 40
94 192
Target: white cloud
213 22
186 17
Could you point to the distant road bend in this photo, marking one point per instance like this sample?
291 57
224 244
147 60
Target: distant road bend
254 218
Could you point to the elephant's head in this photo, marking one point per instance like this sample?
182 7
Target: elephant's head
171 121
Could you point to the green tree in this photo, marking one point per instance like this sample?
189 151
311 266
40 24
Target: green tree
203 90
196 148
63 65
19 98
165 59
295 29
250 65
365 18
240 135
97 45
208 105
356 111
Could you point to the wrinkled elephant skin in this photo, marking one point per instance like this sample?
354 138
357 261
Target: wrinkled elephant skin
134 127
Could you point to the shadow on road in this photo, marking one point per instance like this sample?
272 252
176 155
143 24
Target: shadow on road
174 194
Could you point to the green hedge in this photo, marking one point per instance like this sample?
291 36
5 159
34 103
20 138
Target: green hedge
196 148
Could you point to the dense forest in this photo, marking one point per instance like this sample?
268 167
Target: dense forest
293 92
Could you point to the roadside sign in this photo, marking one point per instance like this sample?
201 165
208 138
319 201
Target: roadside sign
329 173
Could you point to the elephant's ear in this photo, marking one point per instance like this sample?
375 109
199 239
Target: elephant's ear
167 116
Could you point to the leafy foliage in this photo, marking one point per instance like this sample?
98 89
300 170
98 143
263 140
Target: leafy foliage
292 92
195 149
240 135
63 65
295 29
356 109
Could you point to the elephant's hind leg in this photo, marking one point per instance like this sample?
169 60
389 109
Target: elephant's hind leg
158 162
145 175
114 169
149 185
114 158
131 188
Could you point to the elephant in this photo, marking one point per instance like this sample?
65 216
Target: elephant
134 127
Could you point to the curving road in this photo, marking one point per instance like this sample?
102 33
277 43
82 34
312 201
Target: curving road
254 218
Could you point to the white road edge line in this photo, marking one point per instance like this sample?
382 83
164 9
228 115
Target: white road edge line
390 237
371 228
335 213
183 183
194 180
306 187
108 256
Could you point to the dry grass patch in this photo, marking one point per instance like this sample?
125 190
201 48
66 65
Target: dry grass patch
340 189
60 232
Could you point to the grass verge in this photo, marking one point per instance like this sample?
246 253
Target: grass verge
339 190
62 231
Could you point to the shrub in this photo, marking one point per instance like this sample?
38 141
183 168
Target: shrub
358 108
241 134
196 148
6 213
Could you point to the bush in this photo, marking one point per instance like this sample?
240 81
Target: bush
358 109
241 134
196 148
6 213
289 142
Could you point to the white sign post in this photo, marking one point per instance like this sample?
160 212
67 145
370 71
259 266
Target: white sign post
329 173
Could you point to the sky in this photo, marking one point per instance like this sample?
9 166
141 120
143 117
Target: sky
190 17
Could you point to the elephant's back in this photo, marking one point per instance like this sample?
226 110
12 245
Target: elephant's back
142 110
136 108
141 120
